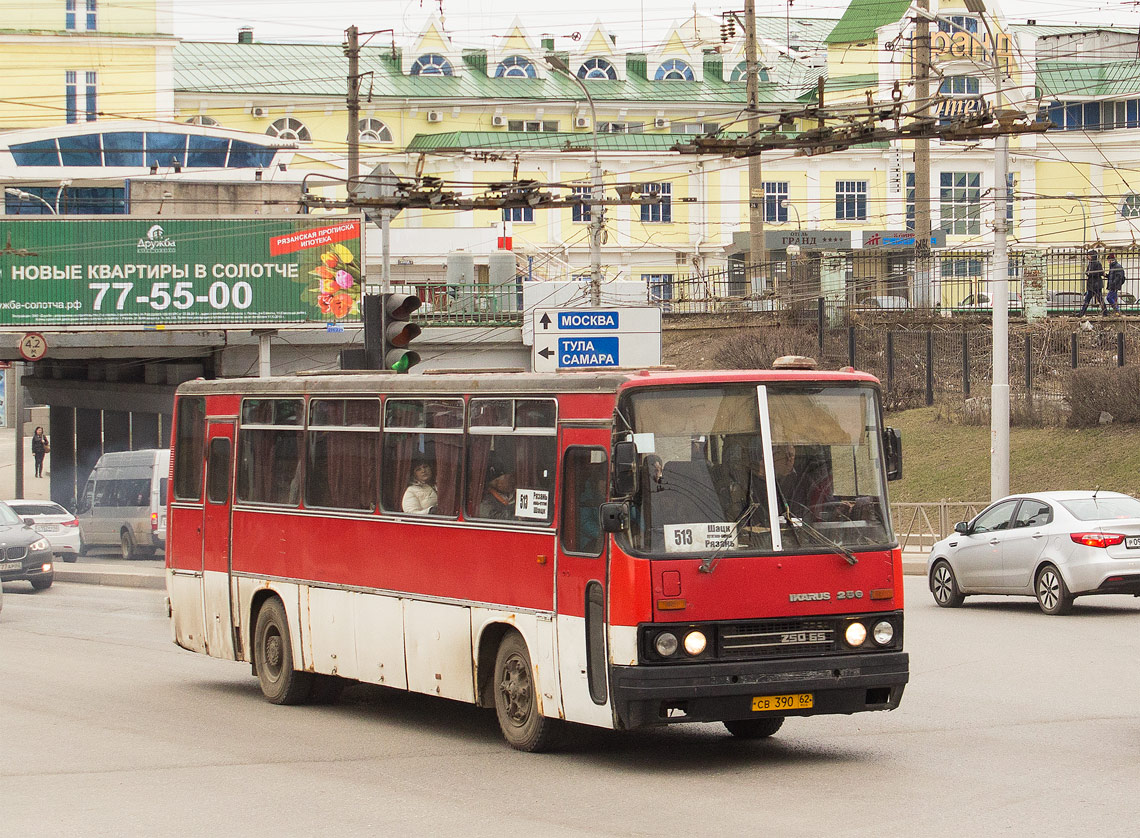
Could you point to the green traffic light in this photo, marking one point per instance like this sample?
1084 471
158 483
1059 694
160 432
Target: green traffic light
403 364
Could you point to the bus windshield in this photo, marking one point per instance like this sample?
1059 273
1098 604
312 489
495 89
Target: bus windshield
738 469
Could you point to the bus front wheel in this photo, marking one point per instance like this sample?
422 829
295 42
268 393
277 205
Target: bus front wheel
516 702
273 652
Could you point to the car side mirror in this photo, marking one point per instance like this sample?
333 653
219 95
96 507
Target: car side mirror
615 516
29 521
962 527
892 446
625 469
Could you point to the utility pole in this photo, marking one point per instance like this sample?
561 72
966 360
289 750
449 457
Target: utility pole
352 50
757 253
923 287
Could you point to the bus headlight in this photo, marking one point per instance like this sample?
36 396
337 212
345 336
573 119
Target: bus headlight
883 632
856 634
695 642
666 644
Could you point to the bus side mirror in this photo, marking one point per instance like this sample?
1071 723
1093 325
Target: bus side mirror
615 516
892 446
625 469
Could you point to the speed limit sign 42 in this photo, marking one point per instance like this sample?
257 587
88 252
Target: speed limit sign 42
33 346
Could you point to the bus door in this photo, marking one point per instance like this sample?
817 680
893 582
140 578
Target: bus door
216 588
582 577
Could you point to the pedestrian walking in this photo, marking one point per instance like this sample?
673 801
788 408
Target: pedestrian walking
1094 284
40 447
1114 283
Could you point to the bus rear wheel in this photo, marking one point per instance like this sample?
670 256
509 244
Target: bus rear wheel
755 728
516 702
273 652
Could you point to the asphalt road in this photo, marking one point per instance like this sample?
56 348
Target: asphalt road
1014 724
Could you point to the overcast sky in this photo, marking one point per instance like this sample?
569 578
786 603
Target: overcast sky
475 22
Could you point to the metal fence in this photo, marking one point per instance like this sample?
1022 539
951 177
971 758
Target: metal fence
919 525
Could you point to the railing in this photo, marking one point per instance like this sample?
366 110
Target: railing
919 525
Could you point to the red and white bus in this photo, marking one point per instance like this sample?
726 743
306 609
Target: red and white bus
591 548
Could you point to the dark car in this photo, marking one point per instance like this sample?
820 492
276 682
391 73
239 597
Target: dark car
24 553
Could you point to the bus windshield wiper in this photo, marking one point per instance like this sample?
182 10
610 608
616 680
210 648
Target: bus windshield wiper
709 561
835 546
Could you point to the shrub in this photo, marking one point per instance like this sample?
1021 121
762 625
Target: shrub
1095 390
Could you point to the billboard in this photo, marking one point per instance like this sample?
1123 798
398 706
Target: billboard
148 272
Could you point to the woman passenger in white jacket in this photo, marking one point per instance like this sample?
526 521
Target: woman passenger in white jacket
421 495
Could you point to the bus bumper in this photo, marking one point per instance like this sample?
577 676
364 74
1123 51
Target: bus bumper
712 692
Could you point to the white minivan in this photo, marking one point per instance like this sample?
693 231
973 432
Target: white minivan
124 503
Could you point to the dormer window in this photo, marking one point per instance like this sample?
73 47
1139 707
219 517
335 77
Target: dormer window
431 64
597 68
674 70
516 67
740 73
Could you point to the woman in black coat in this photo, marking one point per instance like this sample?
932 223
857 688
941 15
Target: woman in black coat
40 447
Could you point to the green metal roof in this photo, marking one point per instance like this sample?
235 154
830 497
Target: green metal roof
320 70
1071 79
863 17
459 141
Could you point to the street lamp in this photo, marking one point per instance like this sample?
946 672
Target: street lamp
1084 220
786 205
556 63
21 195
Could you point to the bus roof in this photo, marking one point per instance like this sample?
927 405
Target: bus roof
497 381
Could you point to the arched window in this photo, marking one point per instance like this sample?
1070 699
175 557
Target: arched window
431 64
374 131
515 67
1130 206
674 70
288 128
740 73
207 121
597 68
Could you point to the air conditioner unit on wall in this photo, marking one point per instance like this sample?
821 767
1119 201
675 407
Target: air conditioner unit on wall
259 113
660 122
435 116
581 122
498 120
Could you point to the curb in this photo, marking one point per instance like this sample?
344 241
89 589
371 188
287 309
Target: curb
111 579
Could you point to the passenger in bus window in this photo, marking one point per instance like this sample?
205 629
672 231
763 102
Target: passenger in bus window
499 500
421 497
655 467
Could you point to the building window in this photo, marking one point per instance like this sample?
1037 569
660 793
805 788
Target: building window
960 197
431 64
532 125
516 67
621 127
71 96
288 128
740 73
92 110
910 200
203 120
69 16
374 131
1084 116
958 23
775 193
960 86
674 70
524 214
694 127
851 200
581 210
661 213
597 68
660 287
91 20
1009 197
1130 206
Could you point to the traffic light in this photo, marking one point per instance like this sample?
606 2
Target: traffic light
398 332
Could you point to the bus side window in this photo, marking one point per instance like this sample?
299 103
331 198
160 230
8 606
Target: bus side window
583 492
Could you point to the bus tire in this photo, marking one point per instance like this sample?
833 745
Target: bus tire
755 728
273 653
516 702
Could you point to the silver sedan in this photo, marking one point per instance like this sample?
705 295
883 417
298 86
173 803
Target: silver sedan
1054 546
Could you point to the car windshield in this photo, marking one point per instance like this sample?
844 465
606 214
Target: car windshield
1103 508
8 515
705 455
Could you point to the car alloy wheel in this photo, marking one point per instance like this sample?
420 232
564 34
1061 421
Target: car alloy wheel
944 586
1052 594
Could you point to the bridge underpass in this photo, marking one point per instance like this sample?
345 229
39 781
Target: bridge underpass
113 389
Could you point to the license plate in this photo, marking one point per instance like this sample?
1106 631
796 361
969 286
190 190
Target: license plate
11 565
1132 541
47 527
768 703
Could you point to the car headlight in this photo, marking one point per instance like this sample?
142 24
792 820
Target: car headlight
695 642
666 644
856 634
37 546
883 632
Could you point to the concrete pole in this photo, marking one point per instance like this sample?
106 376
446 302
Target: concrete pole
923 286
757 253
352 51
263 357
